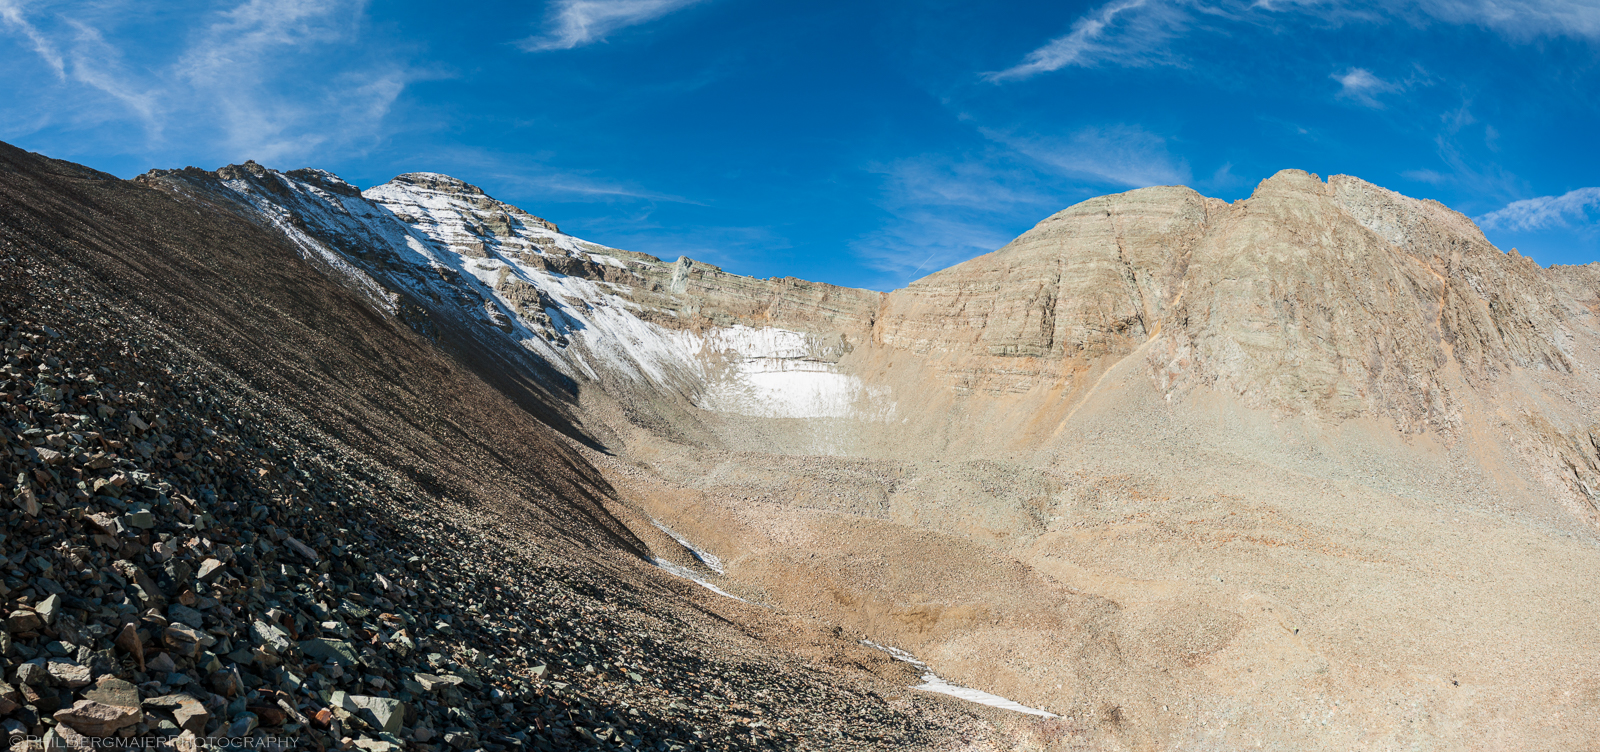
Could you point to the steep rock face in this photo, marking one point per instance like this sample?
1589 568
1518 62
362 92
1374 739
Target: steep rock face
1335 300
1292 303
1331 300
681 295
1342 299
1093 280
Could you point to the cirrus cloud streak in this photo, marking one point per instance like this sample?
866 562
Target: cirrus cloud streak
1136 33
575 23
1544 212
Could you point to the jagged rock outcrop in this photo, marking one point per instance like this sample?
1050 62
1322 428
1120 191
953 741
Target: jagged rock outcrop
1336 300
1093 280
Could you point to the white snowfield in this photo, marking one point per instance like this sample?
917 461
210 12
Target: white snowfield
772 373
932 683
459 248
705 557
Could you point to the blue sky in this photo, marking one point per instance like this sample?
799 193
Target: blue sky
860 143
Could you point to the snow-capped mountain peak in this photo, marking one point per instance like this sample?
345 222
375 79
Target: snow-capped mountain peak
446 256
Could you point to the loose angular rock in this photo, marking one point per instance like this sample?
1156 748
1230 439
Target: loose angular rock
23 621
128 640
48 608
270 636
382 713
104 521
92 718
301 548
184 614
33 673
324 650
163 664
141 519
210 569
185 640
28 502
187 712
225 683
242 724
145 588
110 690
67 673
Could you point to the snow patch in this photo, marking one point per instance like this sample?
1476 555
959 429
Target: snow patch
689 574
777 373
705 557
932 683
785 390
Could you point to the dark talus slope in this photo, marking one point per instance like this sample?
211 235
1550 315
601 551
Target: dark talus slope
246 504
239 298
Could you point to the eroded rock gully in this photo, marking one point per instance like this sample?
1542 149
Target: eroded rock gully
1311 470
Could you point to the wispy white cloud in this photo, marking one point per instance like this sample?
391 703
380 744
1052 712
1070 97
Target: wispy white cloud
568 186
245 79
1223 178
1487 181
11 14
918 243
735 247
248 79
97 63
575 23
1125 32
1544 212
1431 177
1139 32
928 181
1361 86
941 210
233 63
1120 155
1521 19
540 178
78 55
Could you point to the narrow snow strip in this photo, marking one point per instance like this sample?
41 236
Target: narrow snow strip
688 574
932 683
935 684
897 654
705 557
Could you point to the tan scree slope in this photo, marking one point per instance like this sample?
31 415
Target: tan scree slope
1312 470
